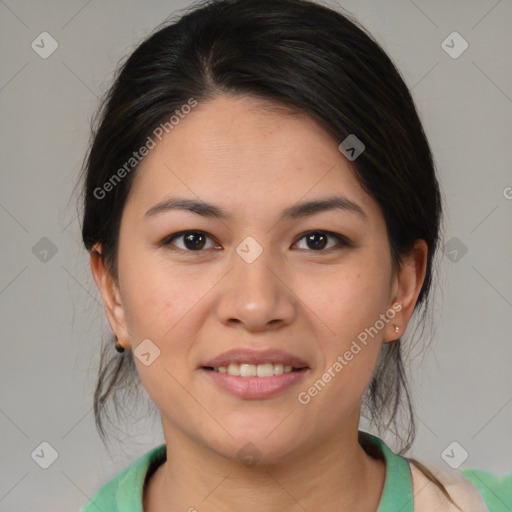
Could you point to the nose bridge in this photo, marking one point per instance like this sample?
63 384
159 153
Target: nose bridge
253 261
254 292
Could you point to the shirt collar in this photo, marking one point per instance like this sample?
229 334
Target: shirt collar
129 491
396 496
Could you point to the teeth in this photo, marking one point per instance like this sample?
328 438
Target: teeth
254 370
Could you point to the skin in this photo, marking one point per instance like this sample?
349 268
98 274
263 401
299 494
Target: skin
255 161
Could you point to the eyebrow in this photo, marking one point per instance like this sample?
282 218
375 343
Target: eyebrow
293 212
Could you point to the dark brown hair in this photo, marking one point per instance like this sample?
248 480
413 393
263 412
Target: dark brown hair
300 55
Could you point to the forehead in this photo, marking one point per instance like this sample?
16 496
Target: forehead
248 154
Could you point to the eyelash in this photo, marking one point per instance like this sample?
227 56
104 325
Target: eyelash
342 241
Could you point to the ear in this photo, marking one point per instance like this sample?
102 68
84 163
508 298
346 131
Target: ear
405 288
110 295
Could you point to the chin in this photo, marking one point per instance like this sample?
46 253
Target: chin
256 447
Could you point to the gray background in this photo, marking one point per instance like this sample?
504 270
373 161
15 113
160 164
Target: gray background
52 319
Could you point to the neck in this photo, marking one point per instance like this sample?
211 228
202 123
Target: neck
334 475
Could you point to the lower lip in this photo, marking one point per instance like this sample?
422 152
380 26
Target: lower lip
255 387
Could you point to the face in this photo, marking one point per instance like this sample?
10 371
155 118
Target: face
320 287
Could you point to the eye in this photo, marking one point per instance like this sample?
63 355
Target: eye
194 241
318 240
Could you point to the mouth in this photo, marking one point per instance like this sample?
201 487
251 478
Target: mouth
251 363
249 386
255 370
250 374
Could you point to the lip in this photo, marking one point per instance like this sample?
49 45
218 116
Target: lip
255 387
241 355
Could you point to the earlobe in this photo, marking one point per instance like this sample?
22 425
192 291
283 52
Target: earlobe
110 295
393 329
406 289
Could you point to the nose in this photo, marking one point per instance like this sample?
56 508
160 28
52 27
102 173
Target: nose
258 290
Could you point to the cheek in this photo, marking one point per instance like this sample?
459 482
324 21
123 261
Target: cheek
153 303
347 304
350 349
348 300
157 304
156 307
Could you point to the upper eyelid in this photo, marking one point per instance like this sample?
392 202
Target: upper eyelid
341 239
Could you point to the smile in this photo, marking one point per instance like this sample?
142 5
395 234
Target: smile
253 386
255 370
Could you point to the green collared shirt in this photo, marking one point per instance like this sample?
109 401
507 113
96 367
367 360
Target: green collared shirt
124 492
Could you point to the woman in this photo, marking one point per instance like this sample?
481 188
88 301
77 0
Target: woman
262 215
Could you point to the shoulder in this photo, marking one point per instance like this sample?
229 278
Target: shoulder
105 497
472 490
123 493
496 490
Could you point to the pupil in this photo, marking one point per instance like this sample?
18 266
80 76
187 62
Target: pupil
312 237
189 241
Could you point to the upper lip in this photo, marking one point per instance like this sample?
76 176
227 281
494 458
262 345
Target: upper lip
241 355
